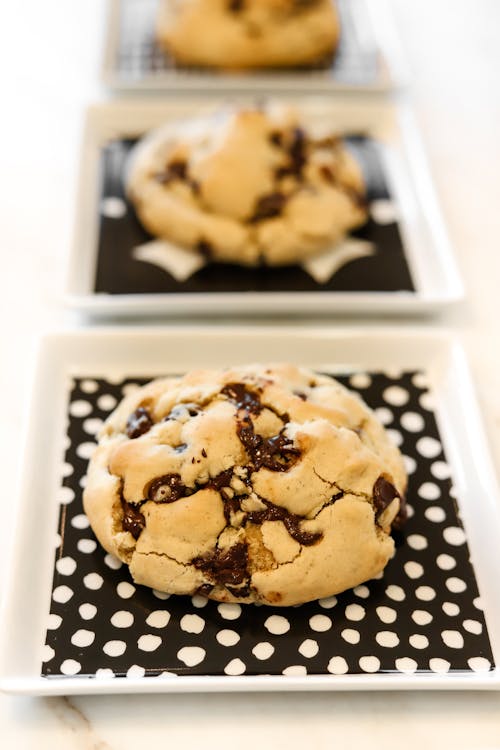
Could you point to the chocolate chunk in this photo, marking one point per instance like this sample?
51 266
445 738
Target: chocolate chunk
297 150
204 589
133 520
241 592
276 138
236 6
384 493
205 248
269 206
327 173
243 397
275 453
138 423
290 520
222 479
175 170
167 489
225 566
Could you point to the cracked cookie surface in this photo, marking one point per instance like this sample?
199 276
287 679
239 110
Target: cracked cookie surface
248 33
254 484
249 186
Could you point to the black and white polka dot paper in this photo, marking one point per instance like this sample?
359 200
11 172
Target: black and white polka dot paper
139 59
423 615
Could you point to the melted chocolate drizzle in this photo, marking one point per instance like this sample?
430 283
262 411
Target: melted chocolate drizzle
225 567
133 520
290 520
167 489
275 453
138 423
269 206
243 397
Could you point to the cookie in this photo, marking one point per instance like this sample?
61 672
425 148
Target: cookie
254 484
250 186
248 34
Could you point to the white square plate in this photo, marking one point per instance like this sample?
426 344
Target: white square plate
424 238
369 57
115 353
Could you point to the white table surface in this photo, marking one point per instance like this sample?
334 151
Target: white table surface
49 65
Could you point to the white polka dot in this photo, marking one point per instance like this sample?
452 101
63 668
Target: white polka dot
395 593
360 380
92 426
263 650
427 401
355 612
125 590
83 481
112 562
62 594
191 655
53 621
425 593
48 653
161 617
420 380
70 667
192 623
296 670
65 495
350 635
148 642
328 603
406 665
308 648
428 447
362 591
136 671
369 664
57 540
446 562
384 211
87 611
86 545
199 601
479 664
320 623
85 450
227 637
106 402
440 666
454 535
114 648
473 626
386 614
235 667
410 464
229 611
66 566
337 665
66 469
395 436
83 638
413 569
80 408
395 395
129 388
80 521
450 608
417 542
412 421
113 208
89 386
418 641
421 617
478 603
387 639
435 514
161 595
429 491
104 674
455 585
452 638
384 415
122 619
277 625
410 512
440 470
93 581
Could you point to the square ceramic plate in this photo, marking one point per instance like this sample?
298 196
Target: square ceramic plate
369 57
399 262
74 623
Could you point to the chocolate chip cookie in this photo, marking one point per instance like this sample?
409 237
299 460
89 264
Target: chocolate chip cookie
254 484
248 34
249 186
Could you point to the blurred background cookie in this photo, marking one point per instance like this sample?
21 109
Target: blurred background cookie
248 33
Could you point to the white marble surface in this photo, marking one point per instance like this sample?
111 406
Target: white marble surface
49 55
